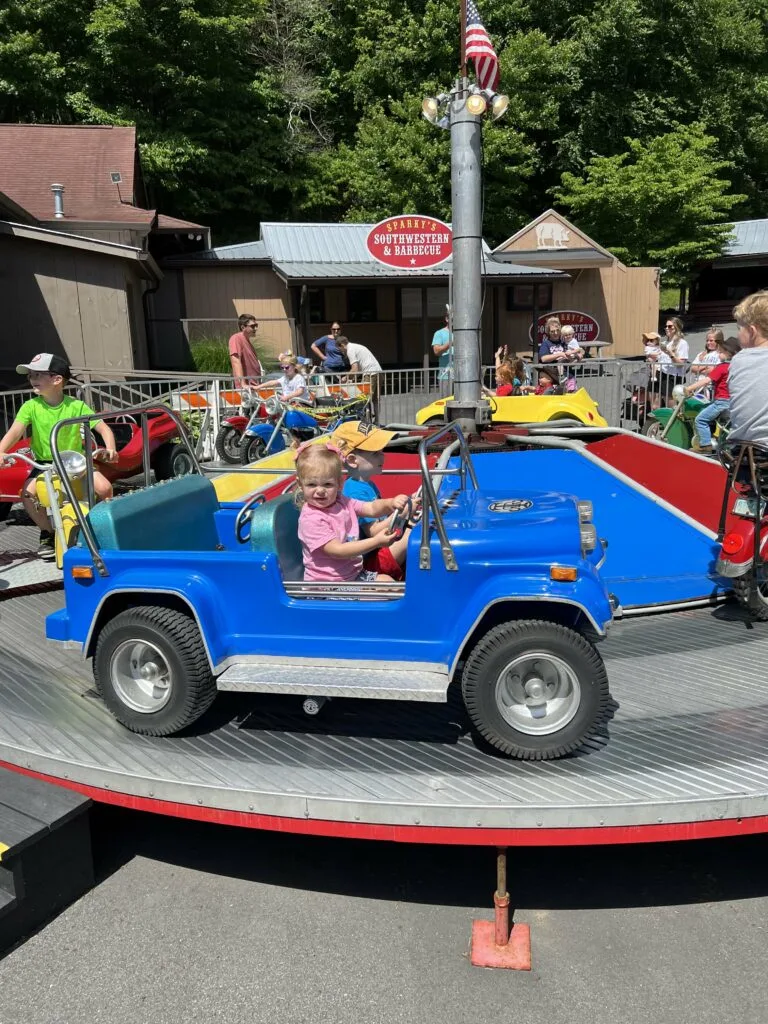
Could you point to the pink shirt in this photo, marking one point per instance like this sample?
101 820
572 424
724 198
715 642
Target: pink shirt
241 347
318 526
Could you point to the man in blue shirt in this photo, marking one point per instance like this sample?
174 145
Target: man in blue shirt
328 352
442 346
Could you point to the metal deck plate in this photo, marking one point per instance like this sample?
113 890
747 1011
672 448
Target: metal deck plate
688 740
20 568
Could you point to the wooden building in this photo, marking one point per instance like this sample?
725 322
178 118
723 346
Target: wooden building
621 301
299 277
78 297
723 283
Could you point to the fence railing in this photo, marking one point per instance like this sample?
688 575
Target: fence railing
625 391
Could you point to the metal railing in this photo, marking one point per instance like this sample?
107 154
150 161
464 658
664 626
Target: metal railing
625 391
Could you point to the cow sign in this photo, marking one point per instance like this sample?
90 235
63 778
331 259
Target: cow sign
586 328
410 242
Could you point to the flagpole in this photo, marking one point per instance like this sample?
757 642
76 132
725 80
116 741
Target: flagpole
463 58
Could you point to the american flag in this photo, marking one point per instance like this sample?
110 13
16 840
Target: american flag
479 49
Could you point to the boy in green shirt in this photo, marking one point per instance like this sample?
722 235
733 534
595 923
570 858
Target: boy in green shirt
48 376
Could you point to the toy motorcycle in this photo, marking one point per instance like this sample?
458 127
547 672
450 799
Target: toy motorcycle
230 433
743 554
677 425
51 497
288 423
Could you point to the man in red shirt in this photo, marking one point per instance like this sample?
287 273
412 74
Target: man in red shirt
246 368
718 379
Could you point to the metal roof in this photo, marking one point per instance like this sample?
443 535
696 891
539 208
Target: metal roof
531 256
299 270
248 251
319 252
750 238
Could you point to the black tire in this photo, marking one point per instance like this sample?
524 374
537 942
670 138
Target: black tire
251 449
189 686
557 651
5 510
652 428
172 460
753 595
228 445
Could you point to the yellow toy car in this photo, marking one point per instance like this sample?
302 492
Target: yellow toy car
577 405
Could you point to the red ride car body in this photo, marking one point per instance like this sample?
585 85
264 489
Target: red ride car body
128 437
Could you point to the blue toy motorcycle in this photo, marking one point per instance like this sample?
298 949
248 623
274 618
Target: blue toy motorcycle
286 423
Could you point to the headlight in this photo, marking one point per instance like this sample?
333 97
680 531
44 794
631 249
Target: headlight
74 464
586 511
678 392
272 406
588 535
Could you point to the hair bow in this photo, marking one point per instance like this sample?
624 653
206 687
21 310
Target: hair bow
331 447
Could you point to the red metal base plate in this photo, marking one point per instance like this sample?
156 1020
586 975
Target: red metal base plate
515 956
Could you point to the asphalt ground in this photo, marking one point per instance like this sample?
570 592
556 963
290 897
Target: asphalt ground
193 922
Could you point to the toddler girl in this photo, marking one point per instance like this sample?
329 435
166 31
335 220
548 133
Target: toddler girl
328 527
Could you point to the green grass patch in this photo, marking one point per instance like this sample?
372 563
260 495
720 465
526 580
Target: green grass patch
211 355
669 298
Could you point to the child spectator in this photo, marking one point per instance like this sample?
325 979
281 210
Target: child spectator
717 378
48 376
329 529
748 378
363 454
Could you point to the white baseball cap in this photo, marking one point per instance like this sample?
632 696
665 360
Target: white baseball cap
46 362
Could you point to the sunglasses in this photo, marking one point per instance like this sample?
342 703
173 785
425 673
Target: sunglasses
286 366
335 330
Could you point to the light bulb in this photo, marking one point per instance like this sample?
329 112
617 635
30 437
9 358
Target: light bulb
476 104
429 108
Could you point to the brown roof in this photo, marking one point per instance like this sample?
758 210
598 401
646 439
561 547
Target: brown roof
165 223
81 158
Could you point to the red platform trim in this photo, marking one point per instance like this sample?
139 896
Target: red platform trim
604 835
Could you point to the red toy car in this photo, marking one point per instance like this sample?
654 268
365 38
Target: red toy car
166 458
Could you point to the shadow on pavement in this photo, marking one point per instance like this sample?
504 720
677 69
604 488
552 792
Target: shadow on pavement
563 878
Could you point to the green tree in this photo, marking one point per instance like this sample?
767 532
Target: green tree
661 202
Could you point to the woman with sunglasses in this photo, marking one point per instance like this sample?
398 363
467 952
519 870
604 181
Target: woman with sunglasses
328 352
292 384
674 345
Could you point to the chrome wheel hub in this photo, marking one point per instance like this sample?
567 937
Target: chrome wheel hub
141 677
538 694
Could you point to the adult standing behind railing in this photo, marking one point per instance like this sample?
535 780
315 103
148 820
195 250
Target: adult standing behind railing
675 346
246 365
362 360
327 350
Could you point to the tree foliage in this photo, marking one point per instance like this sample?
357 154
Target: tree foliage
256 109
662 202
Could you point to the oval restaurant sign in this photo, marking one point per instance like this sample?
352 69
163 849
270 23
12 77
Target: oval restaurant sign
410 242
586 327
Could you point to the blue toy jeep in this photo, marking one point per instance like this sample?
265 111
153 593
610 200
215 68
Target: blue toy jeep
503 598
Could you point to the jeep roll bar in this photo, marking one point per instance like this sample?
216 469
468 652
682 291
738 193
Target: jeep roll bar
429 488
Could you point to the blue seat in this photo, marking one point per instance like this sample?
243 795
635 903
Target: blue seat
177 515
275 528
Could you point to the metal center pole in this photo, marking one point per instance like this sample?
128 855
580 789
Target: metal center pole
466 197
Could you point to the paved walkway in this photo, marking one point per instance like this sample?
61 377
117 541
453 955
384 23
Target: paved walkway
204 923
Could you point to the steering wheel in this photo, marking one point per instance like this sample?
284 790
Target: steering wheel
399 520
244 516
125 419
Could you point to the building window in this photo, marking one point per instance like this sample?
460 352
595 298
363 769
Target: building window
361 306
437 301
520 297
316 297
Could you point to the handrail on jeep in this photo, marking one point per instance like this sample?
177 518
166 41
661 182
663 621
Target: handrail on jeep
449 559
142 412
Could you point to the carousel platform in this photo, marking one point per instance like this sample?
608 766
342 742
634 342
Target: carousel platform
685 754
